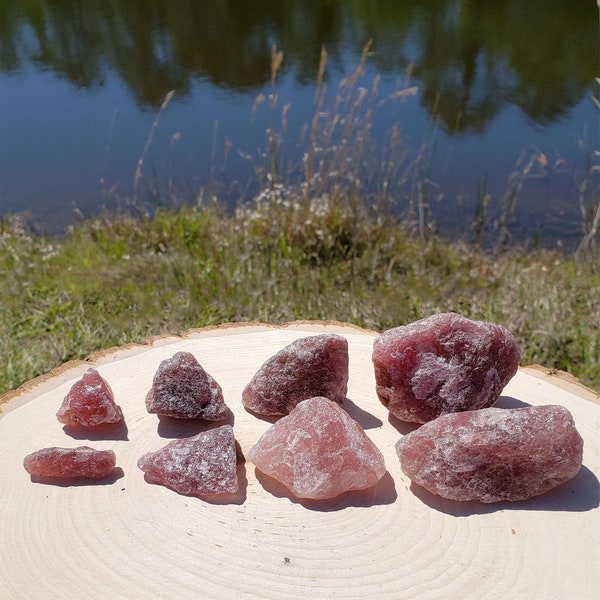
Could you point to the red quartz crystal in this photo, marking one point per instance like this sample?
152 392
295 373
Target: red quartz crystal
202 465
184 390
311 366
318 451
442 364
66 463
90 402
493 454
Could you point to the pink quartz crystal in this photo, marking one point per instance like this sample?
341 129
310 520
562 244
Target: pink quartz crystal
318 451
493 454
311 366
199 466
442 364
183 389
66 463
89 403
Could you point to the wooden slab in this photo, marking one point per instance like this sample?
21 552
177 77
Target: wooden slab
125 538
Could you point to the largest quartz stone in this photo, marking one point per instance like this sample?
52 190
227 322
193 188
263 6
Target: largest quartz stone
316 365
493 454
318 451
442 364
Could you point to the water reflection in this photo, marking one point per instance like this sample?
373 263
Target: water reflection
82 83
472 57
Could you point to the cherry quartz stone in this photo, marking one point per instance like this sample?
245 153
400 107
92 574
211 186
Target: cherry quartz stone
493 454
183 389
90 402
66 463
202 465
318 451
308 367
442 364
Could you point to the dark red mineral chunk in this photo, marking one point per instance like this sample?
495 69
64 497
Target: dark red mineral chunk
442 364
89 403
493 454
318 451
66 463
311 366
202 465
184 390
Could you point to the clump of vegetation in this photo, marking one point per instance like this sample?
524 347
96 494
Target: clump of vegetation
118 279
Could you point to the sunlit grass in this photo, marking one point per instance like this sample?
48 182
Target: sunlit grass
116 280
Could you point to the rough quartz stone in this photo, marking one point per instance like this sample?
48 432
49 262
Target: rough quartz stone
493 454
318 451
201 465
90 402
183 389
442 364
311 366
66 463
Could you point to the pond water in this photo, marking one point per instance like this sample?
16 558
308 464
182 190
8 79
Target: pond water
490 90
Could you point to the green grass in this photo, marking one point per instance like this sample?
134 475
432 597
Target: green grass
117 279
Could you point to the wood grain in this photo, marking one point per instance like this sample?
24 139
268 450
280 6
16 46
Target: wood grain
125 538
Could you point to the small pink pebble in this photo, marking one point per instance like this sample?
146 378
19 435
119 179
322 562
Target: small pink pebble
318 451
442 364
89 403
184 390
493 454
201 465
66 463
315 365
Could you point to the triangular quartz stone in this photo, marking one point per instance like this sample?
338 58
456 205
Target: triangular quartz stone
183 389
90 402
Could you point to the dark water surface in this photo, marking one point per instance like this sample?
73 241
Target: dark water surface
501 86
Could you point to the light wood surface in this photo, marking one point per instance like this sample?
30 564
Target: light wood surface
126 538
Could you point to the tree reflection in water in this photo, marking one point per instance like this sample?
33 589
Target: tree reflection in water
471 57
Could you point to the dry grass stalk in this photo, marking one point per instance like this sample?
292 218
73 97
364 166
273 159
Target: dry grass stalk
140 165
276 60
